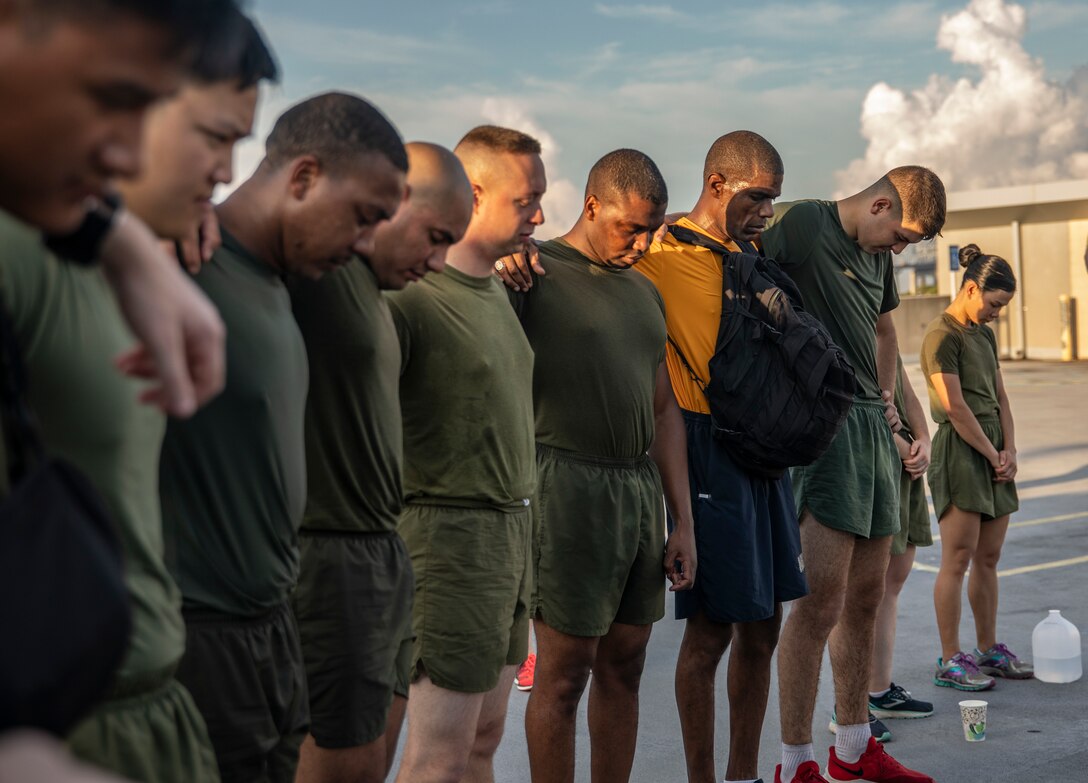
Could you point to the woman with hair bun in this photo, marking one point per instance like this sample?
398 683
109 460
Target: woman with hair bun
972 469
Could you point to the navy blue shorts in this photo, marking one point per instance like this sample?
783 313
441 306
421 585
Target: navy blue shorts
746 535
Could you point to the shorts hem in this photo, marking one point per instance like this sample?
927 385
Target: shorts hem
340 742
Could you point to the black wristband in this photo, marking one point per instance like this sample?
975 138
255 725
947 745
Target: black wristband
83 244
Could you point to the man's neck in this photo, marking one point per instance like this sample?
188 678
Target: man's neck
472 258
703 214
245 216
579 240
848 214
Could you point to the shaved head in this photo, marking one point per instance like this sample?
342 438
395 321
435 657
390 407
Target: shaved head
741 155
626 171
481 150
437 178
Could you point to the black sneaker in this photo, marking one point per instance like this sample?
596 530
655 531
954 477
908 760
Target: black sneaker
898 703
879 730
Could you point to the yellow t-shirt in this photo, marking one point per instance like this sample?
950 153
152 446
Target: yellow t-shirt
689 279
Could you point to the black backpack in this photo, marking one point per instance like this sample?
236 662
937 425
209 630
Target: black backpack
779 388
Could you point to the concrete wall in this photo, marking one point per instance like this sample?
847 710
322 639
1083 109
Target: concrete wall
911 319
1052 243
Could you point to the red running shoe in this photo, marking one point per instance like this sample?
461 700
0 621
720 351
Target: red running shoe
874 766
809 772
524 678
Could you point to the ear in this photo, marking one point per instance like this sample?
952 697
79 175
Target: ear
592 207
304 174
881 205
716 183
477 197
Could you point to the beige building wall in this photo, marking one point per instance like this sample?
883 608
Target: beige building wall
1050 222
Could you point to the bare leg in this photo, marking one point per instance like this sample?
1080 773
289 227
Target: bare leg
393 727
959 539
701 651
884 640
489 730
982 584
800 651
441 733
562 670
368 763
851 642
749 684
613 701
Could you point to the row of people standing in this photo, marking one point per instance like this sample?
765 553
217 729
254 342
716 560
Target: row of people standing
325 665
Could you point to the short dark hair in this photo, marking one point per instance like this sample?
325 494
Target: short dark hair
188 24
625 171
236 52
497 139
738 155
921 194
988 272
336 128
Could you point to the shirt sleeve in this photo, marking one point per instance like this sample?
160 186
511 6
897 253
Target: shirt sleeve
789 239
941 352
992 339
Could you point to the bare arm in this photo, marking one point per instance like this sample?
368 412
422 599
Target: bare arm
918 453
963 421
180 332
1007 455
669 451
887 349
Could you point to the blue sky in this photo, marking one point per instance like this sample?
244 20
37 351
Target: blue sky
665 78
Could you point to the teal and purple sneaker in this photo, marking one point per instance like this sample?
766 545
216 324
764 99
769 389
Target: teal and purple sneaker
999 661
962 673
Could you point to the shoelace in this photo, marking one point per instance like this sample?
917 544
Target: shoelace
1001 648
810 775
967 662
885 763
899 692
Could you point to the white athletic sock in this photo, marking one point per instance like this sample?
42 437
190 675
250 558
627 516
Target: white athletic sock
851 741
878 694
794 756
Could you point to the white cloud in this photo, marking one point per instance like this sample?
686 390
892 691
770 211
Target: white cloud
658 13
1012 125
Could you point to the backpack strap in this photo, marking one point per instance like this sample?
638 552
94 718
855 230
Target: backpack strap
687 365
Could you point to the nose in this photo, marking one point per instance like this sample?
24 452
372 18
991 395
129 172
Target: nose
437 260
224 168
642 241
766 209
538 217
899 247
119 155
364 242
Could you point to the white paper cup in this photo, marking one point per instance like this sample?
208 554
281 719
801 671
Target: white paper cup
973 714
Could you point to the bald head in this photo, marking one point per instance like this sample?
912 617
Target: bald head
435 216
740 156
437 178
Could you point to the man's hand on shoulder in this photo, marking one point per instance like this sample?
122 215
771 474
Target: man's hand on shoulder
516 270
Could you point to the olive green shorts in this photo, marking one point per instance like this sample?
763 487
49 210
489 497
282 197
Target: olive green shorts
854 486
470 617
599 542
155 735
353 605
960 476
914 527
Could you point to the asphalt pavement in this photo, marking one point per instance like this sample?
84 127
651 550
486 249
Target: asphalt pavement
1037 731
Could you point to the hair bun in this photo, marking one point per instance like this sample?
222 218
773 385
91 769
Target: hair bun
968 254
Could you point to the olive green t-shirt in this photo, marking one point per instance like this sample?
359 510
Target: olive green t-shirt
842 285
233 477
466 391
967 351
354 437
598 335
70 330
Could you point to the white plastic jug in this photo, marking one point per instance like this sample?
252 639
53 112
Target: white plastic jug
1055 647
